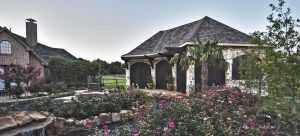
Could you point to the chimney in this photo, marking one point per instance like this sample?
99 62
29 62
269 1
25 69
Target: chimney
31 31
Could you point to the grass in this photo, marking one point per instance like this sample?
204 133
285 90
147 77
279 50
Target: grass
278 105
109 81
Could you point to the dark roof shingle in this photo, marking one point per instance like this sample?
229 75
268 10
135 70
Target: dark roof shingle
204 29
46 52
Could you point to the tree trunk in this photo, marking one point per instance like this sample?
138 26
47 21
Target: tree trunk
204 76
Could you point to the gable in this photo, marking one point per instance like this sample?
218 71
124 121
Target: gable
21 42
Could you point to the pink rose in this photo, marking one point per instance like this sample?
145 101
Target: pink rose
135 132
171 124
245 126
105 128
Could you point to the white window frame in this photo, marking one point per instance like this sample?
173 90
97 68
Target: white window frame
5 47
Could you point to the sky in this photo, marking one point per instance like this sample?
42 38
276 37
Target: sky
107 29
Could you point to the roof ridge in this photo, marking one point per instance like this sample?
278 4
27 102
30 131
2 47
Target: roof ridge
159 40
197 27
225 25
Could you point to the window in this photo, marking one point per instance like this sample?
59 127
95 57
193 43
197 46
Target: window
238 72
5 47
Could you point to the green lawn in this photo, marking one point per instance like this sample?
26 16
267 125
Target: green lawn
110 81
278 105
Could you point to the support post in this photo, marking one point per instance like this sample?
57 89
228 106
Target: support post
174 74
190 79
128 76
228 76
153 75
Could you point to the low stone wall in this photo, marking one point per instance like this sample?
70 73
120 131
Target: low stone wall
19 122
66 125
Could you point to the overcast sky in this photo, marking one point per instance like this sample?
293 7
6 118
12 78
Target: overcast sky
106 29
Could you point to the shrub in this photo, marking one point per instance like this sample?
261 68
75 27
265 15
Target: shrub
35 88
92 105
40 105
220 111
16 90
61 109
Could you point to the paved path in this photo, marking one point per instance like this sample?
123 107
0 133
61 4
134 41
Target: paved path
163 92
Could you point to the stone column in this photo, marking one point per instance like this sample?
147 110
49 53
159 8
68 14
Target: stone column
228 76
174 74
153 74
127 76
190 79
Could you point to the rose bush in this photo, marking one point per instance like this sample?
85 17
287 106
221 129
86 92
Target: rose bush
220 111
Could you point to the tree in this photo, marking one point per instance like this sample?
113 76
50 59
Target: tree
116 68
62 70
281 64
18 74
104 66
204 53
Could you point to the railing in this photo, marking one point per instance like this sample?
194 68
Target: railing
113 83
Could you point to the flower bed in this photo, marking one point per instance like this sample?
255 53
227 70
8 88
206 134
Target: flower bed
220 111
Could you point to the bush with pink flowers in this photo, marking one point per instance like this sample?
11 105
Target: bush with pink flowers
220 111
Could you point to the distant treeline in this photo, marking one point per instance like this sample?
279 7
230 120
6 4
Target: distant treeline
77 71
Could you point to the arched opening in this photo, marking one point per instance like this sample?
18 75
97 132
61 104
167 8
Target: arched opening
216 76
181 78
236 75
139 73
237 71
198 81
163 70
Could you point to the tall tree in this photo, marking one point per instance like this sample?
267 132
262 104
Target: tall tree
281 64
204 53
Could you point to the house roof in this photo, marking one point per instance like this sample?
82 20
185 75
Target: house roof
44 52
205 29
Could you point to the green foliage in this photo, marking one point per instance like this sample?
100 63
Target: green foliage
150 83
204 53
116 68
18 74
35 88
279 106
281 64
170 82
219 111
72 72
60 109
110 68
16 90
92 105
251 72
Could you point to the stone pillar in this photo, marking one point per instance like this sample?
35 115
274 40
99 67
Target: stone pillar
127 76
190 79
228 75
153 76
174 74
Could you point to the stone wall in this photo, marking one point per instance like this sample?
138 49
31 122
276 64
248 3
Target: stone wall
229 54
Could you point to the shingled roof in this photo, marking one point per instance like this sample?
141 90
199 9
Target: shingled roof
205 29
43 52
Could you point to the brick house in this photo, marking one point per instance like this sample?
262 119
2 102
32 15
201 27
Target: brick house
18 50
159 55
